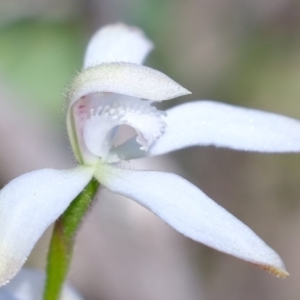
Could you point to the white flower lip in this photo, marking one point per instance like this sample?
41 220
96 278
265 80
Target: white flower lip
114 111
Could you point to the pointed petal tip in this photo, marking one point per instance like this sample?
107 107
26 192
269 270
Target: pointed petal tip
185 92
181 91
9 268
279 272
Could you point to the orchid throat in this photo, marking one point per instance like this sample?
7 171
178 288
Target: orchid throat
99 117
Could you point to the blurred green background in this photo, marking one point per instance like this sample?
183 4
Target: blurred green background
243 52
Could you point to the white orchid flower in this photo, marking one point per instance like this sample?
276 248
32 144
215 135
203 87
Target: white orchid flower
29 285
114 90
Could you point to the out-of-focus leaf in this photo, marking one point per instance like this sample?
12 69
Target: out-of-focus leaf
39 58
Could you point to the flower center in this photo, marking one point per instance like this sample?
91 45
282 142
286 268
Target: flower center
107 112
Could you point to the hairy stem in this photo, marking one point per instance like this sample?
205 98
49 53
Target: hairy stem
62 241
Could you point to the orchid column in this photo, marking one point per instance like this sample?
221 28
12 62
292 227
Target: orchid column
114 90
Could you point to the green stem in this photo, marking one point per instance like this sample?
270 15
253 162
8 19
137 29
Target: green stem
62 241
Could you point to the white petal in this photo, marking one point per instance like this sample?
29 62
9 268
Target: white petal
28 205
206 123
116 43
29 285
125 78
183 206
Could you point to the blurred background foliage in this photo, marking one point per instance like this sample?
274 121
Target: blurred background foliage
38 58
242 52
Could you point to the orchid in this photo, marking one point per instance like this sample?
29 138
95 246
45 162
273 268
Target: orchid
114 90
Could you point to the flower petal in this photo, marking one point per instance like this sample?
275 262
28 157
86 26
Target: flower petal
116 43
29 285
28 205
183 206
204 123
125 78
